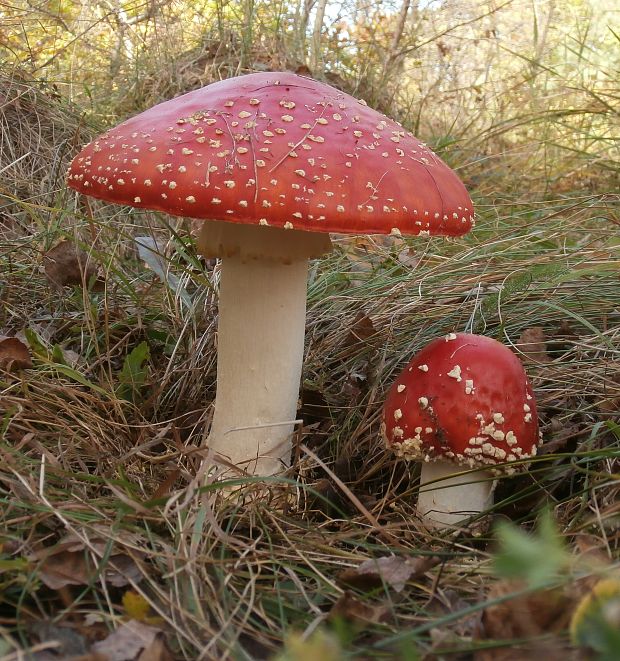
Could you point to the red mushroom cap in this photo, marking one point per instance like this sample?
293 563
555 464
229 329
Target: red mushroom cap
464 398
277 149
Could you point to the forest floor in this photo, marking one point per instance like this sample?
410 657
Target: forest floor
111 548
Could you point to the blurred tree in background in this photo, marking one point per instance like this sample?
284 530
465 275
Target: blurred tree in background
533 80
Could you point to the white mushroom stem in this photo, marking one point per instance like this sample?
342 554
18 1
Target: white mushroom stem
260 342
448 499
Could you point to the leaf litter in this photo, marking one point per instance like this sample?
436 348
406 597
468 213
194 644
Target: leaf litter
392 571
14 354
66 265
73 561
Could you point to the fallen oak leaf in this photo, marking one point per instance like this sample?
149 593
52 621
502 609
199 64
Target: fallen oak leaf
134 641
66 265
122 570
537 619
324 497
71 562
389 570
14 354
352 609
361 332
63 569
532 345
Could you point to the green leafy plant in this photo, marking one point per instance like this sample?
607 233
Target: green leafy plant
133 374
539 559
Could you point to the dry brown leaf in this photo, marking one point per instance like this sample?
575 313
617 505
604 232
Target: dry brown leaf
531 617
53 656
591 554
70 563
165 488
66 264
361 331
60 641
134 641
156 651
444 602
355 611
14 354
391 570
324 497
63 569
541 618
560 434
409 257
532 345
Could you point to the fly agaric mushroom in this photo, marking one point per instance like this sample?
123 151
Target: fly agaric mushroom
272 162
462 402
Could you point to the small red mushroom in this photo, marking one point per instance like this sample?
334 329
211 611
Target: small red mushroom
463 402
272 162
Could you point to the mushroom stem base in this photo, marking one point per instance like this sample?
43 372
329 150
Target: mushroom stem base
260 344
451 499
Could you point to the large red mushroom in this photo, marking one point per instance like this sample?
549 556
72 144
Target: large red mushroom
272 162
463 402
